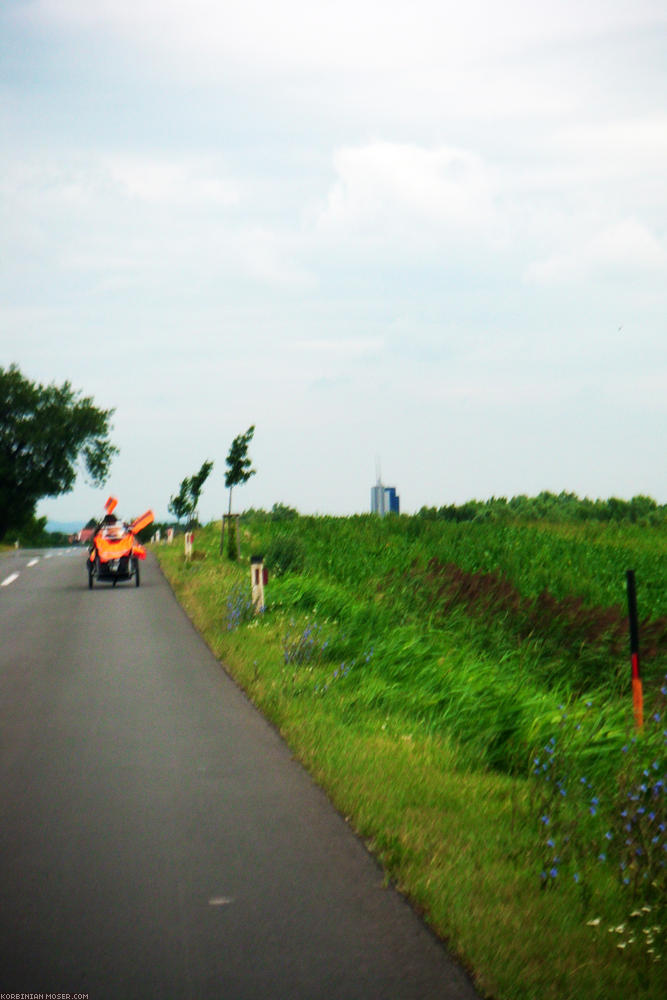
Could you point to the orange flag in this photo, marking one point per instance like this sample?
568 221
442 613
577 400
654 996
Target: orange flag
142 522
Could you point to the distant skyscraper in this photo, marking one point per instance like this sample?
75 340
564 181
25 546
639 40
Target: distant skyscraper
384 500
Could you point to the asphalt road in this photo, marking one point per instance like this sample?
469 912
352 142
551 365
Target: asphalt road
156 837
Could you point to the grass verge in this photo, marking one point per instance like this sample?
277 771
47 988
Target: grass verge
460 840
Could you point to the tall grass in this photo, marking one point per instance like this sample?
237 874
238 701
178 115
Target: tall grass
383 640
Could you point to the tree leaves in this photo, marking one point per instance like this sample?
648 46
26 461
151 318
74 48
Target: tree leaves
185 503
44 430
239 466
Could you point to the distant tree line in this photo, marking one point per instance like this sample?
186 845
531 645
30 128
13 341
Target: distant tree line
33 534
563 507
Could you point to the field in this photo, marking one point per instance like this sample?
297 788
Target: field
462 692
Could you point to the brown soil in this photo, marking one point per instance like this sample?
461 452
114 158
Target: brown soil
569 621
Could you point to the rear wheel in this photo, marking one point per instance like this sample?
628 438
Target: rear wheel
90 575
137 577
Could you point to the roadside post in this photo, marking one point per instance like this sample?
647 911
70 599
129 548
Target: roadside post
258 578
637 691
189 539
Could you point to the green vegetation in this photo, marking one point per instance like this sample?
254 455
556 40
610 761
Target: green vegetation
461 689
44 430
239 471
186 501
33 535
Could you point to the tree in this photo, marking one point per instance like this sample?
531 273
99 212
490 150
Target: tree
44 430
239 469
186 501
180 504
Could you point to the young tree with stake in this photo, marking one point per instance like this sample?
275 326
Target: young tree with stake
239 471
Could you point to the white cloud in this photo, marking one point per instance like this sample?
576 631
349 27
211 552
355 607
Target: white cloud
616 145
343 349
268 256
185 181
620 251
411 59
389 190
96 178
425 27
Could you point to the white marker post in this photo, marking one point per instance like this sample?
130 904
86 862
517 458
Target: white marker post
258 577
189 540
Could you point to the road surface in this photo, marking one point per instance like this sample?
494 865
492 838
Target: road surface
156 838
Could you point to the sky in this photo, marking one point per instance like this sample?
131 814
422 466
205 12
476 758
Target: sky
424 238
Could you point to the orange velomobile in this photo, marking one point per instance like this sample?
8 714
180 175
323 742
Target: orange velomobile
115 551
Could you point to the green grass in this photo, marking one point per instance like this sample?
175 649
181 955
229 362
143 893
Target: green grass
423 726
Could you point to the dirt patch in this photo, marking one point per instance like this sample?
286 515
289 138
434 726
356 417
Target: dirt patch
565 624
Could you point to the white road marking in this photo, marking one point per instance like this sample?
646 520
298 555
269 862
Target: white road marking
220 901
10 579
33 562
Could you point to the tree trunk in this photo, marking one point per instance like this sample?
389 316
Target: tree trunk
222 530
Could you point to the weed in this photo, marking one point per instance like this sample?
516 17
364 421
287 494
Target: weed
610 825
303 645
238 607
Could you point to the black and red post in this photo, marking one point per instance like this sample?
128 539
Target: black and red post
637 691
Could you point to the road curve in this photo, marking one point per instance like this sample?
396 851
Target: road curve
156 838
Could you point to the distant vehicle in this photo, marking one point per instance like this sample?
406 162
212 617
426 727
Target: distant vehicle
115 551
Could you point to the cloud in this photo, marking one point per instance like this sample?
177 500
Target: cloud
616 145
413 60
185 181
623 250
269 256
137 218
99 179
343 349
385 190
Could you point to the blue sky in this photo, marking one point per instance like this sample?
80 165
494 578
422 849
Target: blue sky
408 232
